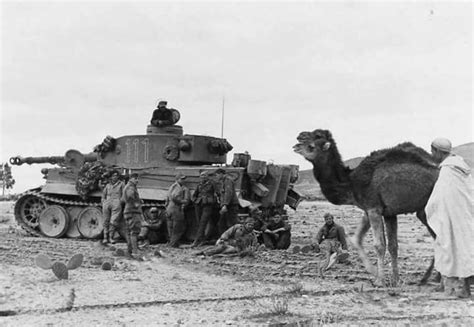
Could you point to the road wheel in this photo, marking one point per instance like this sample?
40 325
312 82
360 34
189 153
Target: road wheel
90 223
73 231
54 221
28 209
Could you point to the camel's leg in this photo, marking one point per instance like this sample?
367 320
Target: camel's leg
357 243
376 222
392 242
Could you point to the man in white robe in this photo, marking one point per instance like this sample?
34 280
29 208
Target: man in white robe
450 214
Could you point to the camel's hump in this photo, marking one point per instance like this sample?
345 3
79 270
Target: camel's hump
402 153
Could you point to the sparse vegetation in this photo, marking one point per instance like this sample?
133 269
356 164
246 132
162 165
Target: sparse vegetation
327 317
295 289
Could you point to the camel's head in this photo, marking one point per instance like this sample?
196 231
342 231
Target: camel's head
313 144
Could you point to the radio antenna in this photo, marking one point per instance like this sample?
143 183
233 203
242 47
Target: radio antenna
222 122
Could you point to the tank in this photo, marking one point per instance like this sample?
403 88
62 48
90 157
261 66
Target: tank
69 203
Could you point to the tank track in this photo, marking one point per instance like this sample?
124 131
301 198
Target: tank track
57 201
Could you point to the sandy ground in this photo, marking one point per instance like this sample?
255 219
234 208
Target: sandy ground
274 288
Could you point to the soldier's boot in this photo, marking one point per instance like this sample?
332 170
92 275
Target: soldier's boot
134 245
111 236
197 242
105 239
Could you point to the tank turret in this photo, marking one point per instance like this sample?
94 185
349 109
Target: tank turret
74 188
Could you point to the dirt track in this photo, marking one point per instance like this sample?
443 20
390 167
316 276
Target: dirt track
183 289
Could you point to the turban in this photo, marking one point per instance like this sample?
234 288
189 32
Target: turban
442 144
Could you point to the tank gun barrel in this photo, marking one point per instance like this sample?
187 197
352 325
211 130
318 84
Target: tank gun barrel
71 158
18 161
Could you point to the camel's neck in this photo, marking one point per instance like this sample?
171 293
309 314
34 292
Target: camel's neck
333 177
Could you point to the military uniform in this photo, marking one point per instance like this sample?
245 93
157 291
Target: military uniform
154 230
178 198
279 241
228 198
112 208
237 236
132 215
235 239
331 239
204 199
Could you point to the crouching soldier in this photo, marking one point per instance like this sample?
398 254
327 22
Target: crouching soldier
238 238
153 230
132 214
276 233
331 239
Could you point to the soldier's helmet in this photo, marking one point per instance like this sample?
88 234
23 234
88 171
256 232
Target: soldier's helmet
162 103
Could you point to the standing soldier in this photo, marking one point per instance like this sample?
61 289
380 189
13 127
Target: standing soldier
132 214
111 206
178 198
228 201
204 199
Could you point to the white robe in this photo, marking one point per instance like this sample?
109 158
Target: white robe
450 214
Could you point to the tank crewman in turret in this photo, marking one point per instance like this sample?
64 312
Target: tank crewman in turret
276 233
153 230
205 200
229 203
163 116
178 198
132 214
111 206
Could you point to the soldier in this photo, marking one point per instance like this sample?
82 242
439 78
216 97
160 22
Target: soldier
132 214
331 238
153 230
236 239
111 206
204 199
276 233
178 198
229 203
163 116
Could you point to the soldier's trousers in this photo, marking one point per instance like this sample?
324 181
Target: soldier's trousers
111 211
228 219
281 241
328 247
176 224
204 214
133 225
154 235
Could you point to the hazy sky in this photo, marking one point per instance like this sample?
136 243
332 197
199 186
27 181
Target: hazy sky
374 73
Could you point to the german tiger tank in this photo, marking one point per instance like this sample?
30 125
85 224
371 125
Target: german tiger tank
69 203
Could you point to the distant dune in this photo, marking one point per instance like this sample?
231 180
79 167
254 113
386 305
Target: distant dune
309 187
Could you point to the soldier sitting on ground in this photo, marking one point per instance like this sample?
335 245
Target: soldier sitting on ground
331 239
276 233
154 229
238 238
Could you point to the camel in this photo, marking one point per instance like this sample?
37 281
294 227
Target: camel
386 183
